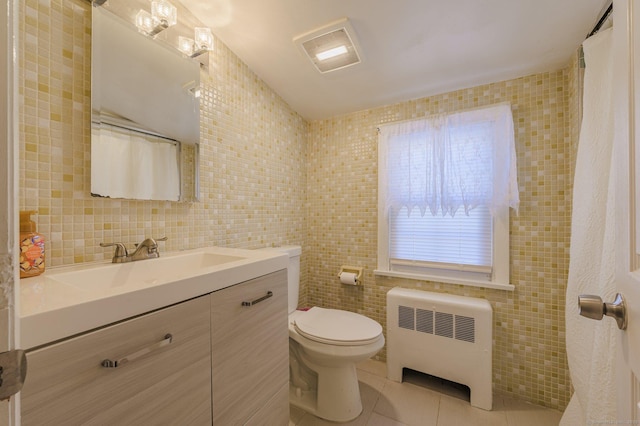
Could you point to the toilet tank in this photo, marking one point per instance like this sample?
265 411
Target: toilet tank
293 273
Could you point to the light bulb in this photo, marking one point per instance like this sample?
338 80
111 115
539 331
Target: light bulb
144 22
185 45
331 53
164 13
203 38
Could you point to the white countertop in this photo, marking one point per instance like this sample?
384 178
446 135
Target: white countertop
53 306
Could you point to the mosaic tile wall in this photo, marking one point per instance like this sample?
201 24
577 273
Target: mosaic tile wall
253 173
529 359
251 176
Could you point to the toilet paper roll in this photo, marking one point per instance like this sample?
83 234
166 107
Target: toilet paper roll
348 278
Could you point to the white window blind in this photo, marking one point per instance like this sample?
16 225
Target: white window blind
444 242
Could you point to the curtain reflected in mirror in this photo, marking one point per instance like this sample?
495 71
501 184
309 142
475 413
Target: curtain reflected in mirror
138 166
145 115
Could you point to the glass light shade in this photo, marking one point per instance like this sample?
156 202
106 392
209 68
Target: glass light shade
144 21
203 38
164 12
185 45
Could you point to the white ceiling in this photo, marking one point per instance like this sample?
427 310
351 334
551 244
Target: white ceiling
410 48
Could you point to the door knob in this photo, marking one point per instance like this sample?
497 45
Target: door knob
591 306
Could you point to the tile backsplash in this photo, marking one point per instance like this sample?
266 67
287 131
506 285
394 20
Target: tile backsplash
267 177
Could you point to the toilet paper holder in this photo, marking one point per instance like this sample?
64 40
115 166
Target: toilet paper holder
351 270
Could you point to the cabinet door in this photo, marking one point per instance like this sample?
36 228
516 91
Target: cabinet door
276 412
169 384
250 348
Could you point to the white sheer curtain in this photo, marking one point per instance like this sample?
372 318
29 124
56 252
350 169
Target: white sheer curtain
446 162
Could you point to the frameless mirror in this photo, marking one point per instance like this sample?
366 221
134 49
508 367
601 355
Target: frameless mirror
145 115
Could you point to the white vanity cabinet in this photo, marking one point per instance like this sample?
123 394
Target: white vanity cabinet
167 379
250 352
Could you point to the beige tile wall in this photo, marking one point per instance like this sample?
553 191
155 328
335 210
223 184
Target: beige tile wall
251 176
269 177
529 349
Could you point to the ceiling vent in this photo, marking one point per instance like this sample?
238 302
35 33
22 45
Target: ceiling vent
331 47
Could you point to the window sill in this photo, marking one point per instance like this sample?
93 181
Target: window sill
447 280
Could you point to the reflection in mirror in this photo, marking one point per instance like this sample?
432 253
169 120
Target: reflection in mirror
145 115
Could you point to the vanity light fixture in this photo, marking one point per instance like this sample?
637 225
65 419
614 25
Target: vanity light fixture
193 88
163 15
202 42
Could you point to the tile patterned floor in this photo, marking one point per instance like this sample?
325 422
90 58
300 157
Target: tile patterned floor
423 401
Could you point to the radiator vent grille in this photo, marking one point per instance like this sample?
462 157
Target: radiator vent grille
405 317
439 323
465 329
424 321
444 325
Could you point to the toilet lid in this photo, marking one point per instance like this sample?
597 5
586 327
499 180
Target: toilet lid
337 327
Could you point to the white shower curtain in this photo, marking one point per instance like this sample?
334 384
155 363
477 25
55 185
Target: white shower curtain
591 345
129 164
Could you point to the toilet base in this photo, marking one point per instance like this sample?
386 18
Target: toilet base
337 398
323 378
305 400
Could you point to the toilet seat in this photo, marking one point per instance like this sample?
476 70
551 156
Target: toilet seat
337 327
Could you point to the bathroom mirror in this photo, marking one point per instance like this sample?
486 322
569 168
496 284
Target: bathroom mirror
145 115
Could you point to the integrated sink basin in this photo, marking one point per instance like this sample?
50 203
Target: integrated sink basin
65 301
144 273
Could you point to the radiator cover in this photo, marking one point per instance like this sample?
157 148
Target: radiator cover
442 335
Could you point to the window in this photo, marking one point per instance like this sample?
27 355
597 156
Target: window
445 187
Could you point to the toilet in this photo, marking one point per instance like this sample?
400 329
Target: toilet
324 347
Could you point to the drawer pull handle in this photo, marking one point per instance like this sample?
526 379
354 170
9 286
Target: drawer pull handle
107 363
253 302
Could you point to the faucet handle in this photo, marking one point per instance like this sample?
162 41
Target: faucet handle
121 250
152 245
153 239
154 248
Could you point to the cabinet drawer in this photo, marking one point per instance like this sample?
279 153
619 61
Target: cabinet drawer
250 347
170 384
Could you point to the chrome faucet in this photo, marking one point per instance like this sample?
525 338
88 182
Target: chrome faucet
148 249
